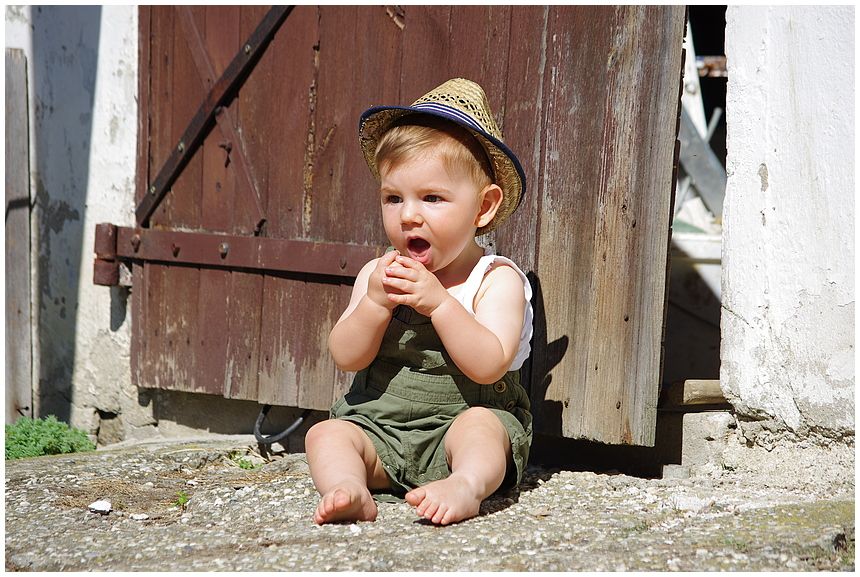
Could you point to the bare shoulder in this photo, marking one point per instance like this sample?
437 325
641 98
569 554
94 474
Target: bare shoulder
369 265
501 284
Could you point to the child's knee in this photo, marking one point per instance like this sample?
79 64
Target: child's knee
475 416
325 430
334 431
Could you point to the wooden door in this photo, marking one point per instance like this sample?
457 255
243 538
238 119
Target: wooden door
587 96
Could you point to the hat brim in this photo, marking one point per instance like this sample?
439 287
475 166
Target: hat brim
507 171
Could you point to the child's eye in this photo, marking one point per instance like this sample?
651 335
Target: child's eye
432 198
391 199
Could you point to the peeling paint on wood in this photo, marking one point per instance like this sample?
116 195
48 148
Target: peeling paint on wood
588 96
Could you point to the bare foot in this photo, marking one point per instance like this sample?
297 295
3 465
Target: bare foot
446 501
346 502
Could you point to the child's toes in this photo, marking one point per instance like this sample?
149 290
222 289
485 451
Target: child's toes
429 511
440 514
416 496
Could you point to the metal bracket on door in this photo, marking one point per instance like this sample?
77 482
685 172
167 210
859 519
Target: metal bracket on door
250 253
217 98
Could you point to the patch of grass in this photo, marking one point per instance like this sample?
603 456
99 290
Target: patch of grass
737 544
36 437
246 464
182 499
243 463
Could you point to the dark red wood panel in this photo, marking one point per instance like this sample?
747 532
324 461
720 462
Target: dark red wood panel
245 303
585 95
291 94
178 363
426 55
153 292
219 32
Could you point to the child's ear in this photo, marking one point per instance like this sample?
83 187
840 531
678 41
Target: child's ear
491 200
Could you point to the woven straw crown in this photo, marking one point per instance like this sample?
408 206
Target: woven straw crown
463 102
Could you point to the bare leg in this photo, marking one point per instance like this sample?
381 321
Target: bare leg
478 450
343 464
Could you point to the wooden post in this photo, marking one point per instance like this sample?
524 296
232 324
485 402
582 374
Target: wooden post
19 397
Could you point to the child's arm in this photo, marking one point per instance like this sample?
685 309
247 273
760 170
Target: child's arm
483 346
354 341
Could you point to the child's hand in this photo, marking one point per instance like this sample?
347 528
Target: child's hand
377 291
409 283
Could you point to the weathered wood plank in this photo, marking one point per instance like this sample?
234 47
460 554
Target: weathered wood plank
426 55
179 366
219 30
341 180
138 321
244 306
692 394
479 38
160 118
524 133
606 197
19 367
291 97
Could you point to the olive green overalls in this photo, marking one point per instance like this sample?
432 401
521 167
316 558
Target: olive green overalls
411 393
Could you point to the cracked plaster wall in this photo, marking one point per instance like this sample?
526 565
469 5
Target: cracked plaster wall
787 357
82 81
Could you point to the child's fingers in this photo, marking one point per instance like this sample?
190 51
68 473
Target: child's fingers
398 271
409 262
388 258
397 283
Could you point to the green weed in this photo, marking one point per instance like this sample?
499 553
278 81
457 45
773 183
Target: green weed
182 499
36 437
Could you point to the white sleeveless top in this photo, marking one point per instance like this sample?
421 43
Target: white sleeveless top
466 292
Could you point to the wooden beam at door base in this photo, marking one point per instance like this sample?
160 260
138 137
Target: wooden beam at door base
225 251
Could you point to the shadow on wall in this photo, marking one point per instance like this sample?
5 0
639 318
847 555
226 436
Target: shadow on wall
63 78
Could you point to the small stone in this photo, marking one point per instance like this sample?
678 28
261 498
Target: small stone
102 507
690 503
354 529
191 483
140 516
540 512
676 472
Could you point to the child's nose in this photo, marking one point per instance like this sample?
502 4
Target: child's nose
411 213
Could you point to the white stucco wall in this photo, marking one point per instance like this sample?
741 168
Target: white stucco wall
787 358
82 76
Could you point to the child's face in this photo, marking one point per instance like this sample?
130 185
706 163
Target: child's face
429 211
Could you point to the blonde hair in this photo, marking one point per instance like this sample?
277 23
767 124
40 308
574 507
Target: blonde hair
415 136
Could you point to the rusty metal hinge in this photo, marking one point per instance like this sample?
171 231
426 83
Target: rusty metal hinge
116 244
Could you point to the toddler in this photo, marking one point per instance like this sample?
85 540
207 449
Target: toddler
437 328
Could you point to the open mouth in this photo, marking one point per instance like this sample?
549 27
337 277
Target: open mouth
418 248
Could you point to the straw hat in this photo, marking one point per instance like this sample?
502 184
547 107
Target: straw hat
463 102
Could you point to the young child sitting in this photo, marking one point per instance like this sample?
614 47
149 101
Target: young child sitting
437 328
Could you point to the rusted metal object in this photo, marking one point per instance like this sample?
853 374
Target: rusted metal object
106 272
105 266
220 93
105 243
263 255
